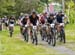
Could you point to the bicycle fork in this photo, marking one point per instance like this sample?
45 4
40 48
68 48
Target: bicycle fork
34 38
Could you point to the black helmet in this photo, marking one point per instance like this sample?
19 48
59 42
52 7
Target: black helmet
33 12
51 14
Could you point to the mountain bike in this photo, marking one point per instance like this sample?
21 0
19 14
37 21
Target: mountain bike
51 34
61 33
25 33
11 26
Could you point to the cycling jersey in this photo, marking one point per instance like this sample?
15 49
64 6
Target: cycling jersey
11 21
24 21
34 20
59 18
50 21
42 19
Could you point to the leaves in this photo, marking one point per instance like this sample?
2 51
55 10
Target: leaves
17 6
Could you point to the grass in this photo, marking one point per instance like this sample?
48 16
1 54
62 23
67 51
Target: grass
70 32
70 36
14 46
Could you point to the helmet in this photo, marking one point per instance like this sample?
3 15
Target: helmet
33 12
26 16
51 14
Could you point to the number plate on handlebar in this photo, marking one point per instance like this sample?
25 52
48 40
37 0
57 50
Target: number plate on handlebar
11 25
52 25
34 27
61 24
25 25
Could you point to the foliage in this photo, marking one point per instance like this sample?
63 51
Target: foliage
10 7
6 6
71 8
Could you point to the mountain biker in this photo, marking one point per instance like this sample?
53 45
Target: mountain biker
11 24
12 20
51 21
59 17
34 20
21 17
24 21
60 25
24 24
43 20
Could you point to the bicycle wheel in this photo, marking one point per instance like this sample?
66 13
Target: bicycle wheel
11 31
53 38
34 37
10 34
63 37
36 40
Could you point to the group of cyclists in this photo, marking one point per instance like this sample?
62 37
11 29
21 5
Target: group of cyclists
50 27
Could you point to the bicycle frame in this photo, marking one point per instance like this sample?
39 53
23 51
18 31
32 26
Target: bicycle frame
43 32
11 26
25 33
51 35
61 32
34 35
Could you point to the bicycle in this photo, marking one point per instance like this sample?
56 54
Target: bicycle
25 33
34 35
43 32
11 29
61 33
51 34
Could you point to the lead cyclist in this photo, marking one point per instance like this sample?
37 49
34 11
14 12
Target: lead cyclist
34 21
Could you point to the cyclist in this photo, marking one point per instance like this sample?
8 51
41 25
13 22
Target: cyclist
43 19
60 27
24 24
11 23
19 20
34 20
51 19
51 30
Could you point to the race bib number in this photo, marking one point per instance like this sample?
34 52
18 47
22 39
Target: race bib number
34 27
11 25
52 25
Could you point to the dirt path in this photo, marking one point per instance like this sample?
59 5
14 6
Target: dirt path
62 49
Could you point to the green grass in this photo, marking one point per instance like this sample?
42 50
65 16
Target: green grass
70 32
70 36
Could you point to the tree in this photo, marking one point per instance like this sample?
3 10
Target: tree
9 7
26 5
70 5
6 6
